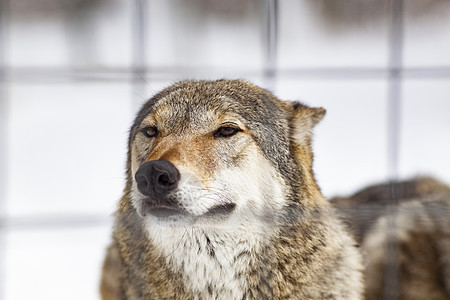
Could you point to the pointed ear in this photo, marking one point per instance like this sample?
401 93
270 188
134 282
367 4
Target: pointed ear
303 119
317 114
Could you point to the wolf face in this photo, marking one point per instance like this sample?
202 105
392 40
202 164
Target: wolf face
221 202
216 153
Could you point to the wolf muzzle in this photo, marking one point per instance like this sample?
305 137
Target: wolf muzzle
156 179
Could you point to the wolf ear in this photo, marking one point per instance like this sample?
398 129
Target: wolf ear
317 114
303 119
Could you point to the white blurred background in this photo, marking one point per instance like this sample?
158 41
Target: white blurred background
73 73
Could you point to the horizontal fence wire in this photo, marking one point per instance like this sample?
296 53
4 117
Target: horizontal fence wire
39 222
56 75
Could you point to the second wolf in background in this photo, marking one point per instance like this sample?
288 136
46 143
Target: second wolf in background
403 229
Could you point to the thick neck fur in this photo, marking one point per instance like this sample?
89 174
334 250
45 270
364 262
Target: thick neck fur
212 262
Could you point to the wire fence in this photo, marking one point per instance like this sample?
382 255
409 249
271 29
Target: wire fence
139 71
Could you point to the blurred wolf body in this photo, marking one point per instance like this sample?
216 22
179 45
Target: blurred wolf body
403 228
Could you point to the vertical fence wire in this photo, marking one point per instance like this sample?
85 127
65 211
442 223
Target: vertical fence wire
395 86
270 30
3 144
394 98
139 59
140 36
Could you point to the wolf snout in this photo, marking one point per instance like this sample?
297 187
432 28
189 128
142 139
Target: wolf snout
157 178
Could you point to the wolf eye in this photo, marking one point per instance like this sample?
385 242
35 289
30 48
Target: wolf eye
150 131
226 131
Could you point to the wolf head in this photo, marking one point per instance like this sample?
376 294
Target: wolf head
212 152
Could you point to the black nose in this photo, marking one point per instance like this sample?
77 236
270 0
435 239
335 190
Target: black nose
157 178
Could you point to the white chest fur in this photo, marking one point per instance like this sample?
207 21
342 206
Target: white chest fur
211 262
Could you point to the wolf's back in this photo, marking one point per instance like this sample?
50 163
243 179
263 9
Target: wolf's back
404 232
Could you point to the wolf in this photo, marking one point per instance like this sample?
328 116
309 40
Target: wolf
221 202
403 229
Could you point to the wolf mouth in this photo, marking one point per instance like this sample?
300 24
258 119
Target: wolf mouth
165 211
221 209
165 208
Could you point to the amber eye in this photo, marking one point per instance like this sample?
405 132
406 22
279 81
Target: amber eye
226 131
150 131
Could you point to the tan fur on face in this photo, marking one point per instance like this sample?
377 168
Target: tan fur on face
192 150
182 151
